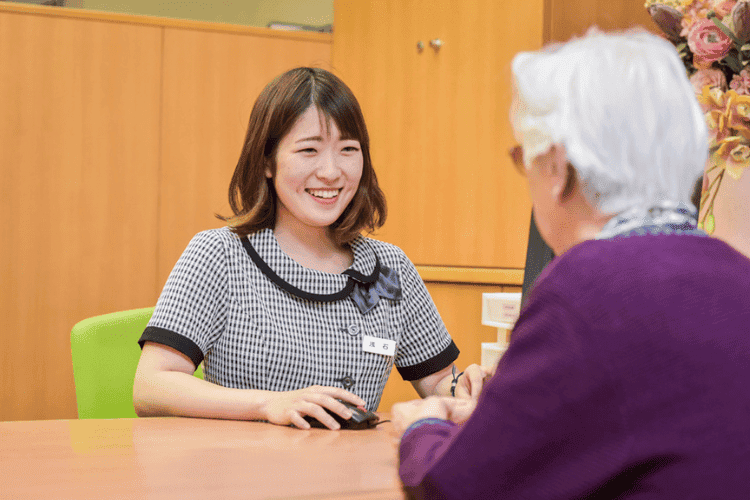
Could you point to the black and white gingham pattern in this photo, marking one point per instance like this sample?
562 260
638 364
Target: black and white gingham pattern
255 335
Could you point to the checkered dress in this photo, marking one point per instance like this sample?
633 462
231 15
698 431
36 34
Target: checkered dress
280 326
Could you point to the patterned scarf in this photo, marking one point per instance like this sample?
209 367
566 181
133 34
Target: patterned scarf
664 218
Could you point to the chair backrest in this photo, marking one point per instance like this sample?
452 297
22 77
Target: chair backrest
105 356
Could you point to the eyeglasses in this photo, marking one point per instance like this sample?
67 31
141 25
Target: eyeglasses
516 154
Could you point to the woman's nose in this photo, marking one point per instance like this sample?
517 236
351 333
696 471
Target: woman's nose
328 167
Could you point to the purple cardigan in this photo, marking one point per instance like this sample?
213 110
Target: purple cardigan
627 376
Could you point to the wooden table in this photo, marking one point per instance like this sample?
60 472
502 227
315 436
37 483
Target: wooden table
191 458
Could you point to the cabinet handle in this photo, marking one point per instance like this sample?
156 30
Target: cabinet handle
420 46
436 44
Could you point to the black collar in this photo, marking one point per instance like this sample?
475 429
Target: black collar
352 275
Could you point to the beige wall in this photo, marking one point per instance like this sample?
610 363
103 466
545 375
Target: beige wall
247 12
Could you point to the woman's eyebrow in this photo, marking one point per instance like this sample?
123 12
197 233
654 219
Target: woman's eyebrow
311 138
320 139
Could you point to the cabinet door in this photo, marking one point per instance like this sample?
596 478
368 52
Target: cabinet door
567 18
438 120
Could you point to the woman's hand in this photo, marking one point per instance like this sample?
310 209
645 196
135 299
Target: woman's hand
470 384
290 407
456 410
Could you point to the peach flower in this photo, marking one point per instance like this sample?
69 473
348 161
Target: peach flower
698 10
733 156
717 131
715 105
708 43
710 77
738 113
722 8
713 99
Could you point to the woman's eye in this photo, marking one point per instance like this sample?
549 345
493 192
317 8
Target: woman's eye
351 149
308 150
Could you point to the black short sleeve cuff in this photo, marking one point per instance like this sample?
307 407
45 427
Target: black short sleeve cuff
430 366
173 340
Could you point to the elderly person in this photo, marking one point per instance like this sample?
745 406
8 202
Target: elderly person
628 370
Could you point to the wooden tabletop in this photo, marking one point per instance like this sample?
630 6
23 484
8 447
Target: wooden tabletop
190 458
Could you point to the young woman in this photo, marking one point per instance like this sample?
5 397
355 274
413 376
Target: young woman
289 307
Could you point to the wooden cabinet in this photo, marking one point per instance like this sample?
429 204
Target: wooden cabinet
118 137
460 306
438 120
566 18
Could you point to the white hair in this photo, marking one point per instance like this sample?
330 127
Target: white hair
623 107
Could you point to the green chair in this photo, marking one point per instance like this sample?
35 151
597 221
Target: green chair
105 356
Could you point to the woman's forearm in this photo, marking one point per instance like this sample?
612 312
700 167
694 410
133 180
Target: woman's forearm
174 393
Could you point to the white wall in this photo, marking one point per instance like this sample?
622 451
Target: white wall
246 12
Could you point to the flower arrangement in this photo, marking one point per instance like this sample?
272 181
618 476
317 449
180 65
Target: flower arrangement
713 40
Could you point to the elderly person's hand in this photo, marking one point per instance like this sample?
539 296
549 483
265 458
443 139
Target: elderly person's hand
457 410
470 383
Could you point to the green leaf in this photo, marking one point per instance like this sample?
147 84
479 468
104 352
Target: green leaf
745 47
709 224
704 197
683 46
733 62
729 23
726 31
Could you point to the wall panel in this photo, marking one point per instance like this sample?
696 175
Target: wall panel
211 81
79 107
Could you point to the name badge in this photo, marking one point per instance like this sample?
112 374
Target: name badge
378 346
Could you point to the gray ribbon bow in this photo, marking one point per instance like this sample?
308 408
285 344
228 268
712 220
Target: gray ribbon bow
387 286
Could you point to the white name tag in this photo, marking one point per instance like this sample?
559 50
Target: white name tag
378 346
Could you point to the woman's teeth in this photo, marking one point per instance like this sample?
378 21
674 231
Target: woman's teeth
324 193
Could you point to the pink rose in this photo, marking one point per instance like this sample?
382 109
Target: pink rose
723 7
710 77
708 43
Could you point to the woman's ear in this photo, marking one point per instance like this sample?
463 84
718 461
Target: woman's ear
269 169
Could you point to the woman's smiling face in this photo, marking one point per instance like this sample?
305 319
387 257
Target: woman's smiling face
317 172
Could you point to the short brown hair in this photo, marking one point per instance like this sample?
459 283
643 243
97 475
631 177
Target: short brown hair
252 196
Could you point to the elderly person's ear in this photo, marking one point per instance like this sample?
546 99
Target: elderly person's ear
559 158
563 172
